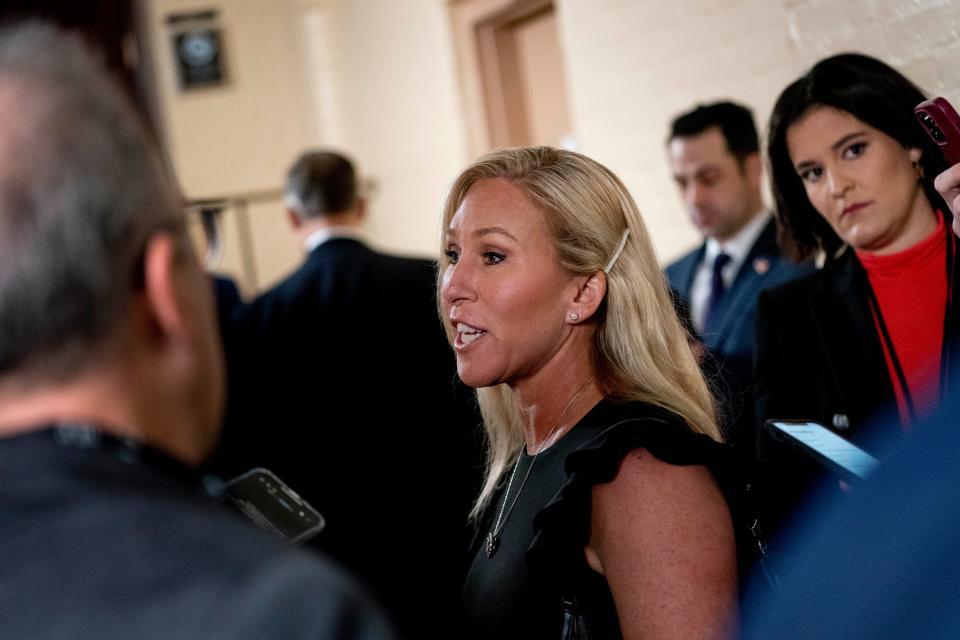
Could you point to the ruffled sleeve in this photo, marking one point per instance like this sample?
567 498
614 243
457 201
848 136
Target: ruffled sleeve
562 527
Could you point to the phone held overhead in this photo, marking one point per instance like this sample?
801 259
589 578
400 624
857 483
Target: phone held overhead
942 124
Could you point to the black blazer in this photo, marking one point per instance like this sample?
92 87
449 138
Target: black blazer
342 382
819 357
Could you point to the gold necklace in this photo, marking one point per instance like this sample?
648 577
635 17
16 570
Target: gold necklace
493 537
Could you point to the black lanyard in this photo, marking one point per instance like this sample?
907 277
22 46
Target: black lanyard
945 348
87 436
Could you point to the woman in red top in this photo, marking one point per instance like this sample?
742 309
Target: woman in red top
852 173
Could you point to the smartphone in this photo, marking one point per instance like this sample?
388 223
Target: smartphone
838 454
942 124
265 499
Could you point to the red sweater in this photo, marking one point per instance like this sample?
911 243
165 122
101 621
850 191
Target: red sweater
911 290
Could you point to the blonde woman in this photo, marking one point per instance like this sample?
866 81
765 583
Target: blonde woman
599 510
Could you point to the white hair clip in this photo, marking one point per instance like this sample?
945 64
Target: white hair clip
616 254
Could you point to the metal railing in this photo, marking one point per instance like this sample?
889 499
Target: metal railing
210 210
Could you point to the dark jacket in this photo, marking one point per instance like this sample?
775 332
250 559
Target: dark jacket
97 545
341 381
881 563
764 267
820 358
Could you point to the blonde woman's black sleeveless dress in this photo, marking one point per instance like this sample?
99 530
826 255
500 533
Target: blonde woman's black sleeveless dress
537 583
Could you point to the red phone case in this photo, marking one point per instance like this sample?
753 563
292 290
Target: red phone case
942 124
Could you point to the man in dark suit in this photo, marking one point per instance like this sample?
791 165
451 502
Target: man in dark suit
111 388
715 160
342 382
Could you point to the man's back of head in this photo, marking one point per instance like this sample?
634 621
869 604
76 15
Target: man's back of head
350 350
98 282
321 183
714 156
81 189
111 387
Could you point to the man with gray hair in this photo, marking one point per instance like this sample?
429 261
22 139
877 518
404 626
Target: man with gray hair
111 388
342 382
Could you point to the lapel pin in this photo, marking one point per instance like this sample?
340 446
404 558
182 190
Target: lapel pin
761 265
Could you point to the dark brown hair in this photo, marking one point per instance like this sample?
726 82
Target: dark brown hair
322 182
872 92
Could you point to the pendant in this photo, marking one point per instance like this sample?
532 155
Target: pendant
493 542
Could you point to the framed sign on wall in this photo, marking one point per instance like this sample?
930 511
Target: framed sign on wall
198 48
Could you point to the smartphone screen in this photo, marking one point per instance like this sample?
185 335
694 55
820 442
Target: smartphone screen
265 499
838 454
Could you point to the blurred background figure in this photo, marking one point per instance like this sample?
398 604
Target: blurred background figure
881 563
206 233
599 515
870 333
715 160
340 381
111 388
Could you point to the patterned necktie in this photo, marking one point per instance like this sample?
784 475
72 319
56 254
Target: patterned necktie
717 288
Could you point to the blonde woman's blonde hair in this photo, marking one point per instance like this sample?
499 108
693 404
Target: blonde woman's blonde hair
640 350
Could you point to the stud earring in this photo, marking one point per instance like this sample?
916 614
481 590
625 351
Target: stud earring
574 316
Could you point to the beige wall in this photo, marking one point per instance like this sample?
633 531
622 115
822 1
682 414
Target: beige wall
237 139
397 111
378 79
372 78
